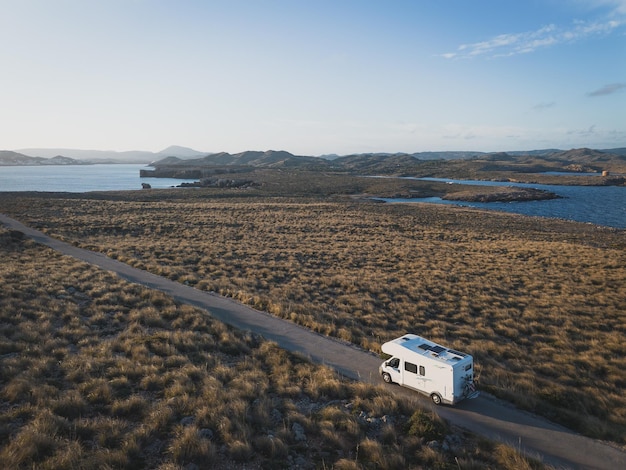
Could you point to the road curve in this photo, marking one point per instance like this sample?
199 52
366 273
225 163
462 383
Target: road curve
535 436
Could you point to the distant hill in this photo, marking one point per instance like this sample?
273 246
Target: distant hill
617 151
181 152
268 159
586 155
93 156
446 155
533 153
366 162
374 161
111 156
462 164
461 155
10 158
184 159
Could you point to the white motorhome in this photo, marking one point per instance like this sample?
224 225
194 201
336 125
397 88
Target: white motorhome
446 375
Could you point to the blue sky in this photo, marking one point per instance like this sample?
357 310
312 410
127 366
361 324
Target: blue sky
313 77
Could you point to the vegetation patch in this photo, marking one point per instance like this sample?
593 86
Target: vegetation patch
100 373
539 303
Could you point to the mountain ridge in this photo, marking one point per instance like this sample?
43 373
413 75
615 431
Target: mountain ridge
10 158
473 165
185 157
111 156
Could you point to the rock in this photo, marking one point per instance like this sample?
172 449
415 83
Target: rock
387 419
16 235
187 421
276 416
298 432
433 445
452 442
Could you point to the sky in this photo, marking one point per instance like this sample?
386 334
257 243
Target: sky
313 77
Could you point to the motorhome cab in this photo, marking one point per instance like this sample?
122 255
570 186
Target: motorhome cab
446 375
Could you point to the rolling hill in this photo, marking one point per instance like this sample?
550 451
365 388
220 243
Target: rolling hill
268 159
111 156
10 158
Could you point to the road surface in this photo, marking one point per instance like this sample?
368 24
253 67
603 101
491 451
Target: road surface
486 416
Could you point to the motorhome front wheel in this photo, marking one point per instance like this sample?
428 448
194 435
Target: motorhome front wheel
387 377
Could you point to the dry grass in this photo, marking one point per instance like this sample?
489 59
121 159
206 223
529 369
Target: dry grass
99 373
541 304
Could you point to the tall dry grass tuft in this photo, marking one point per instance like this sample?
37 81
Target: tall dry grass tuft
189 446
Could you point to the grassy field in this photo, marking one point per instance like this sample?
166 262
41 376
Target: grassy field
541 304
100 373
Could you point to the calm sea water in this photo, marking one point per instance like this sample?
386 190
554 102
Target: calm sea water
79 178
600 205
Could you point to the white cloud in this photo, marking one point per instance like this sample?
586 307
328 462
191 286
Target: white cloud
523 43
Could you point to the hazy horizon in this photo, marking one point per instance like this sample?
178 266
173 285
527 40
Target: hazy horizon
313 78
52 152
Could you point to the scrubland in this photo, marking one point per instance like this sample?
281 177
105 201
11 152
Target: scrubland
541 304
100 373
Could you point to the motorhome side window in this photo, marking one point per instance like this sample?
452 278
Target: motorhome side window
395 363
422 370
410 367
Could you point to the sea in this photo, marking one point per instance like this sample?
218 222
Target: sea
599 205
80 178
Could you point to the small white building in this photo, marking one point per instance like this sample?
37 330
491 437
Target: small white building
446 375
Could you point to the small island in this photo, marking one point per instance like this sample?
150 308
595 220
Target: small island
500 194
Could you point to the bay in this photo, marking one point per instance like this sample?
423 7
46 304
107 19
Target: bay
599 205
79 178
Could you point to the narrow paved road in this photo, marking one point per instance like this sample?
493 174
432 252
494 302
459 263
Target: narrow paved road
485 415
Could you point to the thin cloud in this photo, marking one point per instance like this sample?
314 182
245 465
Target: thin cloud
607 89
583 132
511 44
542 106
618 6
